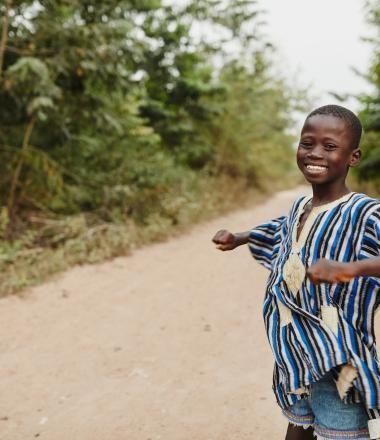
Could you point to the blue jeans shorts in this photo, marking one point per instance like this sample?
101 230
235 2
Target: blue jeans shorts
330 418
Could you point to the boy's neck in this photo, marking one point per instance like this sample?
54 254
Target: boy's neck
323 194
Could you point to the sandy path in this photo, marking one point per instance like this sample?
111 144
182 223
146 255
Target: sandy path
166 344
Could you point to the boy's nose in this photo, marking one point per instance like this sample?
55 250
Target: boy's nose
316 153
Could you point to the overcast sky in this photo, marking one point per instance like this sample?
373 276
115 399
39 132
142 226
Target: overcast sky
319 42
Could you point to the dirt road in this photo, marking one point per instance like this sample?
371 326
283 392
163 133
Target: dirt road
166 344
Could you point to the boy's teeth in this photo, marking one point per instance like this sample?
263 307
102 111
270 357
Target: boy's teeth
315 167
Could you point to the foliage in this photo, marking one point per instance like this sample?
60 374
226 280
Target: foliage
119 113
368 172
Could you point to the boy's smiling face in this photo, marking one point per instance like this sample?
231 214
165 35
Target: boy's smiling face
325 150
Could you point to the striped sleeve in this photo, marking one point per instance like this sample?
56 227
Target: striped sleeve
264 241
370 245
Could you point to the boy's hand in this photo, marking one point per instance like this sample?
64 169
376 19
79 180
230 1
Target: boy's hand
326 271
225 240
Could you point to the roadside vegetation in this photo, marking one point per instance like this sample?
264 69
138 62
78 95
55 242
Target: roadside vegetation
124 122
368 174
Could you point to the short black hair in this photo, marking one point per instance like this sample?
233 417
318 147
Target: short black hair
349 118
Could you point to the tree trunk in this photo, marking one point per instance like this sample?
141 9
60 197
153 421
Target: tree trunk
4 34
16 175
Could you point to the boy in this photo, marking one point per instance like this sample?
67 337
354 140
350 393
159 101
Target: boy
326 376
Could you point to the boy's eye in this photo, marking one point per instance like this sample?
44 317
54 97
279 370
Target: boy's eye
305 144
330 146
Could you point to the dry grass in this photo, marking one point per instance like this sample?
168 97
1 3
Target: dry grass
61 244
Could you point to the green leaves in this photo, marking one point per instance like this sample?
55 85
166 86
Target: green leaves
38 104
29 69
108 106
28 81
368 170
122 119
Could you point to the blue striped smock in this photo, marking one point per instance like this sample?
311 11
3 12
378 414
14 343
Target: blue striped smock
306 344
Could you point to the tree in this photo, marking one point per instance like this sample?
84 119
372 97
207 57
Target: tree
370 115
106 107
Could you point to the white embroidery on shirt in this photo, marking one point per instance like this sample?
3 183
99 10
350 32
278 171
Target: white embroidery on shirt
330 318
294 273
347 375
285 314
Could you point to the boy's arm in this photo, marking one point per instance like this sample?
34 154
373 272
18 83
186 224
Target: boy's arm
263 241
325 271
367 268
227 241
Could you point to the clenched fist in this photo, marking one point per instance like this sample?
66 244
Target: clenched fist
326 271
225 240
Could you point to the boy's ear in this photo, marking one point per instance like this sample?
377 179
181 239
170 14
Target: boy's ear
355 157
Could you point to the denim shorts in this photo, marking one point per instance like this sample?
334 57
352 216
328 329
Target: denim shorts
330 418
